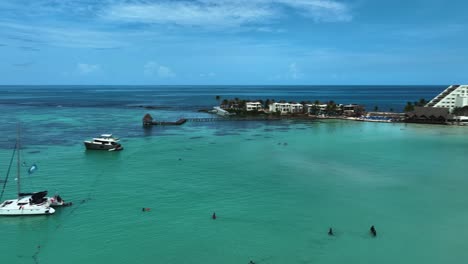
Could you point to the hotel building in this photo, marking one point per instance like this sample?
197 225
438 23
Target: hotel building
286 108
453 96
251 106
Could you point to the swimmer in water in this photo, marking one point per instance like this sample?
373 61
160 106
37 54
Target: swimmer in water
213 216
373 231
330 232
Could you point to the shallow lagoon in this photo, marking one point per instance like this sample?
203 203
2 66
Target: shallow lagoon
275 195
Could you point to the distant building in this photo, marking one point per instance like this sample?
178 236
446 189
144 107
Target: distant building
219 111
283 108
352 109
296 108
252 106
429 115
315 108
147 120
286 108
453 96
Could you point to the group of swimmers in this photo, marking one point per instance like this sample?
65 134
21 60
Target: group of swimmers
372 231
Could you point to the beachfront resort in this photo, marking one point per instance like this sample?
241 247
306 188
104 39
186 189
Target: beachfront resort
448 107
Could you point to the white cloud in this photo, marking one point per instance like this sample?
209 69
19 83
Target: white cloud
224 13
84 68
293 71
207 75
320 10
152 68
60 36
104 17
198 13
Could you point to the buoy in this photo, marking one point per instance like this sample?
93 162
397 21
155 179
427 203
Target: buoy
214 216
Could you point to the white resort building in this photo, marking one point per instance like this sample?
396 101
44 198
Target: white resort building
296 108
453 96
283 108
286 108
315 108
251 106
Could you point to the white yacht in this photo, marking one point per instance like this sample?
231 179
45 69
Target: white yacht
25 204
104 142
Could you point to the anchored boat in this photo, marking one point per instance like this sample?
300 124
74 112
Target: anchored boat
104 142
25 204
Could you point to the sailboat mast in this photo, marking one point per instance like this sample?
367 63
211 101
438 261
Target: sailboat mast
18 161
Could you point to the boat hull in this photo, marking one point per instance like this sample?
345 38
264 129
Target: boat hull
12 208
94 146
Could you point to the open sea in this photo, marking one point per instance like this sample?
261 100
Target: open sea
276 186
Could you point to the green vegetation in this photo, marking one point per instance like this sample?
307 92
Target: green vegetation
410 105
460 111
238 107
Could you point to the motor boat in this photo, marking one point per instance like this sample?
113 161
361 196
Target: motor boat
104 142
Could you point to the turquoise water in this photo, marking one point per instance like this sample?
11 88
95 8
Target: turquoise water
276 188
274 201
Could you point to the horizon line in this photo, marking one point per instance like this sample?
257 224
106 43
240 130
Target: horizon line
227 84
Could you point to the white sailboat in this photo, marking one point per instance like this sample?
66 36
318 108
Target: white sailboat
25 204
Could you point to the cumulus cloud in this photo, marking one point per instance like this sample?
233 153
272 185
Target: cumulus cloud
152 68
224 13
84 68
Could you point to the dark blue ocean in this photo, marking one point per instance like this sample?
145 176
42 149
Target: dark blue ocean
197 97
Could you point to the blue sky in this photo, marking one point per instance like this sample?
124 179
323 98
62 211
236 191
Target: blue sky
233 42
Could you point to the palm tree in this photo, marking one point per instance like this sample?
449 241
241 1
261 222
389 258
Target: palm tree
409 107
267 104
314 109
225 103
422 102
331 108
